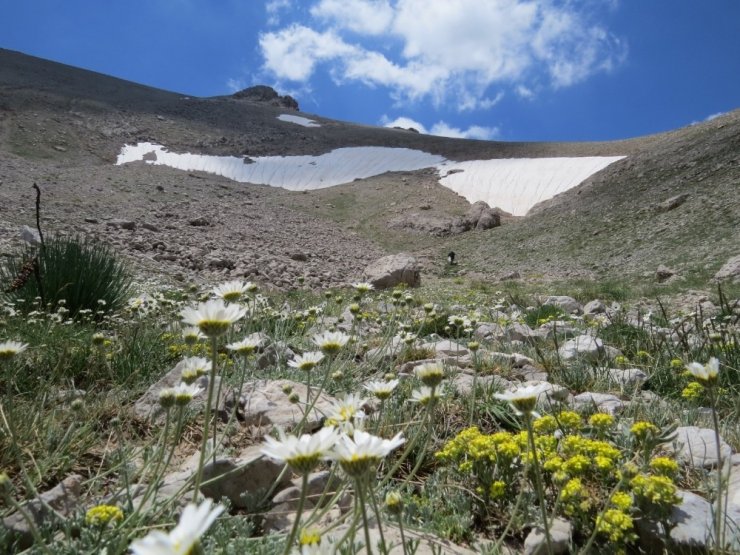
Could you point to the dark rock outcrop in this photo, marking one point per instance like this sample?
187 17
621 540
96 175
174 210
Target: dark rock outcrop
263 93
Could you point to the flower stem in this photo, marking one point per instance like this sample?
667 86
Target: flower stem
299 511
718 517
361 501
206 421
538 481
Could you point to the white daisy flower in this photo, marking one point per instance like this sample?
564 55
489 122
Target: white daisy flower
524 399
231 291
303 453
330 342
184 393
193 368
9 349
362 452
459 321
430 374
345 412
381 389
246 346
192 335
363 287
424 395
307 361
705 373
184 538
213 318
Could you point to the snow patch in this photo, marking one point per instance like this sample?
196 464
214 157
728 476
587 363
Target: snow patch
517 184
513 184
300 120
296 173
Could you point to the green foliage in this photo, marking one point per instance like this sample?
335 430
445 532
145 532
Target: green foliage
79 273
541 314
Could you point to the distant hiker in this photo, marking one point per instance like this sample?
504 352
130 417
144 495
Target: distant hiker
451 258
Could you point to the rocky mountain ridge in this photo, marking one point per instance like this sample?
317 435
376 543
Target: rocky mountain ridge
62 128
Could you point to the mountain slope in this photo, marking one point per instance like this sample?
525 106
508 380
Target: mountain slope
63 128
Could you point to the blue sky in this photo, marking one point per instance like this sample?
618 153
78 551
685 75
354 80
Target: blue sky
526 70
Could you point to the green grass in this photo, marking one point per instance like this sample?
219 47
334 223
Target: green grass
47 434
75 273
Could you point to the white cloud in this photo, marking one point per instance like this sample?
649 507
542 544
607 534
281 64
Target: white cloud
293 52
443 129
451 50
234 84
524 92
274 9
370 17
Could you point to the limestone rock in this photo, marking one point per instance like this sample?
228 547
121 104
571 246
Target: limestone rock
264 403
691 528
148 408
561 532
583 346
393 270
627 377
54 505
602 402
594 307
567 304
243 479
698 446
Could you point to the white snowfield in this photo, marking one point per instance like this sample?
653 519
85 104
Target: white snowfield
300 120
514 184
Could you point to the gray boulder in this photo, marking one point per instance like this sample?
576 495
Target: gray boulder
393 270
730 271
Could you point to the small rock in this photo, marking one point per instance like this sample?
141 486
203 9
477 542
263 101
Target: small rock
150 227
122 224
628 377
583 346
602 402
30 235
561 532
567 304
200 222
594 307
672 203
664 273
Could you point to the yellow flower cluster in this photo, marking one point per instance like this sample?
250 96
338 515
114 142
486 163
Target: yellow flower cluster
692 391
575 497
643 430
601 420
102 515
657 490
664 466
616 525
471 446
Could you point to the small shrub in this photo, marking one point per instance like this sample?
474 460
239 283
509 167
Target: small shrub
78 273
